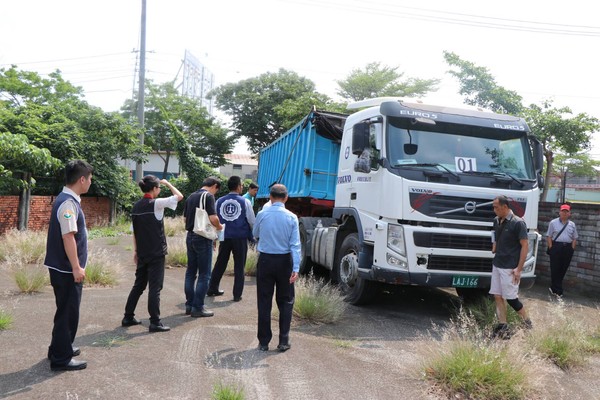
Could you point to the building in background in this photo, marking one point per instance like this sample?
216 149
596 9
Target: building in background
155 166
242 165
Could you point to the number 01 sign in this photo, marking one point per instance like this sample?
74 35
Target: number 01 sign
465 164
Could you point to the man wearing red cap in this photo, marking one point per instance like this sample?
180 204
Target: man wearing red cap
561 239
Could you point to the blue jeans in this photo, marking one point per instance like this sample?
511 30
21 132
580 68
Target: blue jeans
199 252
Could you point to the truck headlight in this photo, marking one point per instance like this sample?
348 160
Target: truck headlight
395 239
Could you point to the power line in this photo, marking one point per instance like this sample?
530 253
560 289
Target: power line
483 22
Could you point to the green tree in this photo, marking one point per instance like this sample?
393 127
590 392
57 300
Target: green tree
19 160
263 108
561 132
52 114
556 128
480 88
377 81
208 140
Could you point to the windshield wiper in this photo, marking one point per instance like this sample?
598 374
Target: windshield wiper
498 176
454 174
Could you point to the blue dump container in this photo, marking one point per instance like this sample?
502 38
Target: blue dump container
305 158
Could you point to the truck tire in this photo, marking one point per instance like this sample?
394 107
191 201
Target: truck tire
357 290
305 261
472 295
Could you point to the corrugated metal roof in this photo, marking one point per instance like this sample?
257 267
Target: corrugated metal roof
243 159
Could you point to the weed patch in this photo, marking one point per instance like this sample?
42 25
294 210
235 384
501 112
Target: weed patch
222 391
177 256
6 320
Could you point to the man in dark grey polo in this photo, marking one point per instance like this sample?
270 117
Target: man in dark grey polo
510 246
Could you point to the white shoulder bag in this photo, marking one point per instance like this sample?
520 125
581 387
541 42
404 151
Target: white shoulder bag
202 224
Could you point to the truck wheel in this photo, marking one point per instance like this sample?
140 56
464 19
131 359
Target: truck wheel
305 261
472 295
356 289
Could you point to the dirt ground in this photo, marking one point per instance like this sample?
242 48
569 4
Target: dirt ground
374 352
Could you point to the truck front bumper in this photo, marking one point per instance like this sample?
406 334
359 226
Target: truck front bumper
434 279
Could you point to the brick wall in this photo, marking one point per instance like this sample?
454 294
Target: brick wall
96 209
584 274
9 211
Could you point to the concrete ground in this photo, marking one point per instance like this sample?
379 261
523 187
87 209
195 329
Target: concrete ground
374 352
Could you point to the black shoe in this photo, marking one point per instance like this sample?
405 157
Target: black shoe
263 347
501 331
211 293
202 313
284 347
73 365
76 352
130 322
158 328
188 310
237 298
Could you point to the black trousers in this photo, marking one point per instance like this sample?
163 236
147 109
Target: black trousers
67 294
273 273
560 259
239 248
149 272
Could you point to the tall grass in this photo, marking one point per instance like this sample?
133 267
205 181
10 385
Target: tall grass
6 320
122 226
31 279
467 369
318 302
100 270
174 226
564 341
483 313
177 250
251 261
19 248
466 364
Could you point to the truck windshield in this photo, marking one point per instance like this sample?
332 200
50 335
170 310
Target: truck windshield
464 151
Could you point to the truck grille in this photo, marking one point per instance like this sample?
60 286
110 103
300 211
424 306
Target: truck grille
466 264
438 205
445 241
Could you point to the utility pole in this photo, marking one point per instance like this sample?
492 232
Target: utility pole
139 168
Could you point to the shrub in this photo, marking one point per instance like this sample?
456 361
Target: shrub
222 391
99 269
31 279
318 302
5 320
19 248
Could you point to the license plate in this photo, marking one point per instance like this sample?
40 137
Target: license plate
465 281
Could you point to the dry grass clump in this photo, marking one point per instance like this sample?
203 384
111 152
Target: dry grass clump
19 248
318 302
100 269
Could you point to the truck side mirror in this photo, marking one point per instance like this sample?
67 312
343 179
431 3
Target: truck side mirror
360 138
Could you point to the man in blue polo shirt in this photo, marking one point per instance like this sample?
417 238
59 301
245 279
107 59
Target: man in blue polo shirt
277 269
66 257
